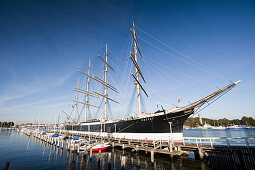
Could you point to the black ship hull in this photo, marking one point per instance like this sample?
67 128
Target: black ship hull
157 123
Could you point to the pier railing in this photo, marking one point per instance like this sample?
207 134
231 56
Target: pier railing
220 141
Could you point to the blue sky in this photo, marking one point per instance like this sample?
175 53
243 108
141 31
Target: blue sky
190 49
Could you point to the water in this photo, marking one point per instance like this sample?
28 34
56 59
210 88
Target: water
219 133
231 137
24 152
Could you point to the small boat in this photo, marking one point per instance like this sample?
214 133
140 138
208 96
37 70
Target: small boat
236 127
218 127
76 140
101 147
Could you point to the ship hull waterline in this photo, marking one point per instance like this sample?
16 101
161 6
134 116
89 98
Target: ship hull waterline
160 126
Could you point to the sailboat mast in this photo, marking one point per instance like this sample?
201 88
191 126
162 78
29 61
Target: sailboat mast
136 74
87 95
105 87
76 104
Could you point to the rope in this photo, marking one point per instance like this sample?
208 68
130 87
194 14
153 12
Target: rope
110 113
213 100
97 112
130 105
143 104
187 57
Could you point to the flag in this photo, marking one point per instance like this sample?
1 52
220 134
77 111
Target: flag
179 99
73 106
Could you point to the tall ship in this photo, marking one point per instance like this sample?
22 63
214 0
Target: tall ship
161 124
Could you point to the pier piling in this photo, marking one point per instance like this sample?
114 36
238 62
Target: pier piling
90 153
152 156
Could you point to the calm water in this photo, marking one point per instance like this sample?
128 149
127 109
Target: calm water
219 133
25 152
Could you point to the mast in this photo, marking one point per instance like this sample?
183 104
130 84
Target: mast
137 70
104 82
136 75
87 94
76 104
105 87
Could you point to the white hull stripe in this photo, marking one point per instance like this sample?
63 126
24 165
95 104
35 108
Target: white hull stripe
178 137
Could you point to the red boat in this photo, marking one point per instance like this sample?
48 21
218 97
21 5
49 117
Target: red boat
101 147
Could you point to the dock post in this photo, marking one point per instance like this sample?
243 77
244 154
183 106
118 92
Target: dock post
152 156
62 145
68 146
90 153
123 146
58 143
199 154
73 146
179 148
78 149
170 144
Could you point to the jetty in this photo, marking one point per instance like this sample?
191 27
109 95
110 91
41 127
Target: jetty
218 153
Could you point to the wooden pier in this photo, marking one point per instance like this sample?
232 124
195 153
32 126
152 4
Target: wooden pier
216 156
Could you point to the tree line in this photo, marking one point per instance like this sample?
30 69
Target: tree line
6 124
193 122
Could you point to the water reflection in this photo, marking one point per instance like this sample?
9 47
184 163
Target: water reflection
43 155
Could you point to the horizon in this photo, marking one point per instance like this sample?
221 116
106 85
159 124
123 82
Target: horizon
190 49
